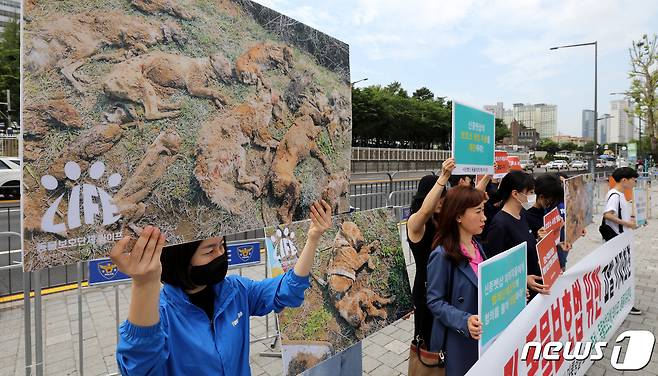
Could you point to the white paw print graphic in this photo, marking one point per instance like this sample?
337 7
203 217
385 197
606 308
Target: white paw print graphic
284 245
94 201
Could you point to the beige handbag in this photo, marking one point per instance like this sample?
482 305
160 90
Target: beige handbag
423 362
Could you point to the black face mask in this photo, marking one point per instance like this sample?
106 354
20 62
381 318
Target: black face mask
212 273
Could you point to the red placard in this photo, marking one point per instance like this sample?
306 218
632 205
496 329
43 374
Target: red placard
514 163
548 259
553 221
501 168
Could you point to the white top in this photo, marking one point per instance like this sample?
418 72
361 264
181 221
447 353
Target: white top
613 204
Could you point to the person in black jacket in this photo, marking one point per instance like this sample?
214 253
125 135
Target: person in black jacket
421 229
510 227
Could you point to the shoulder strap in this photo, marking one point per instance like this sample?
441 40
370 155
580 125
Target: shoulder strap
621 228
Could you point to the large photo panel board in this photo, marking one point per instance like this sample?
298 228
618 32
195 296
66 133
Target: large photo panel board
200 117
359 285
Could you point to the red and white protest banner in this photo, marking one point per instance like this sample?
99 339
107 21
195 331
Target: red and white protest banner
501 167
514 163
548 259
586 306
553 222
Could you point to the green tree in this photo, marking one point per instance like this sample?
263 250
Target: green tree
423 94
396 88
10 69
548 145
568 146
644 82
387 117
502 130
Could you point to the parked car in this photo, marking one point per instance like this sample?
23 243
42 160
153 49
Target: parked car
610 163
600 164
579 165
12 162
558 164
527 165
10 179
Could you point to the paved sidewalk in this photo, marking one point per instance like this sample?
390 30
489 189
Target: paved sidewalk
384 353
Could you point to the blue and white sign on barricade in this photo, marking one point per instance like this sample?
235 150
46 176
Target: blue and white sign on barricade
103 270
243 254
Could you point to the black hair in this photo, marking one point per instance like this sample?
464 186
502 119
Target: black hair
424 187
514 181
624 173
549 186
562 175
454 179
175 260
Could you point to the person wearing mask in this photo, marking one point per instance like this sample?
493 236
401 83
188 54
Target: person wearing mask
549 192
510 227
198 323
421 229
617 215
452 293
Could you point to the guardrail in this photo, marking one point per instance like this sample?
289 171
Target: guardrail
418 155
385 154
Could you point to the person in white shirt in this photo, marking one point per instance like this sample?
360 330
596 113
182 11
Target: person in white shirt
617 216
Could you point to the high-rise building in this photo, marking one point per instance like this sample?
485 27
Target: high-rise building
588 124
10 11
621 124
508 117
497 109
541 117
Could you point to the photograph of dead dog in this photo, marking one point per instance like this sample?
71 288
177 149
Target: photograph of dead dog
201 117
359 285
579 205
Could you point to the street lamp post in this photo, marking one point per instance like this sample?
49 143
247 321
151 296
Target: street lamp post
596 115
357 81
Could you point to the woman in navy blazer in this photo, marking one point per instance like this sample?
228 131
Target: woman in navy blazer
452 279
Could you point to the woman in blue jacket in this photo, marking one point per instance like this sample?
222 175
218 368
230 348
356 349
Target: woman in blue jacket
452 279
198 324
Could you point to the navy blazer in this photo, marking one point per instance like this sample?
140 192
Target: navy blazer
460 349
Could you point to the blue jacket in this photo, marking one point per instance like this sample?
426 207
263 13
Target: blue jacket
460 349
184 342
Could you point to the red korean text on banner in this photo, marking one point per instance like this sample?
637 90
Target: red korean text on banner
553 223
514 163
501 164
548 259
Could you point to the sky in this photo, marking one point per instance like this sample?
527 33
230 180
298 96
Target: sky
482 52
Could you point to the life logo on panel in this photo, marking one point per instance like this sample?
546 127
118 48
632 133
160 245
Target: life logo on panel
85 194
107 269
